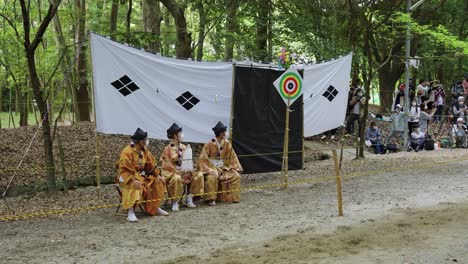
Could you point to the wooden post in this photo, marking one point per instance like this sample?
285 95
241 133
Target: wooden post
338 183
62 162
286 148
96 135
231 118
342 145
98 167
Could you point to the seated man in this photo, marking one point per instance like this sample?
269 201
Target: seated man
417 139
171 158
139 177
373 134
459 134
459 109
220 165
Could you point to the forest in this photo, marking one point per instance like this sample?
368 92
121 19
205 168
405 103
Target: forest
45 63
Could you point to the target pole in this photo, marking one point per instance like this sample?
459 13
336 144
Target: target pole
286 147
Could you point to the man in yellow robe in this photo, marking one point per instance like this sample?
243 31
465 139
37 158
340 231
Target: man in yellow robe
219 164
176 175
139 177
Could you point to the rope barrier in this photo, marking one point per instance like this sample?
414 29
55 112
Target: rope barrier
37 168
267 186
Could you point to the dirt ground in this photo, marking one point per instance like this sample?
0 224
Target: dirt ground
409 216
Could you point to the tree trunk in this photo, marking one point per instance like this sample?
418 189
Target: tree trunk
261 39
82 96
30 50
1 100
367 74
61 43
129 18
201 30
22 107
165 42
389 74
113 18
231 29
152 22
184 38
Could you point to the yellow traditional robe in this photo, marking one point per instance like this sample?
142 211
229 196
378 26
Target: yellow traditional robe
133 165
171 157
224 177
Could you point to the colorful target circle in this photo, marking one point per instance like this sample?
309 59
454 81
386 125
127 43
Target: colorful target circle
291 85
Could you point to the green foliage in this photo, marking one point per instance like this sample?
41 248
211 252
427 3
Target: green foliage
314 29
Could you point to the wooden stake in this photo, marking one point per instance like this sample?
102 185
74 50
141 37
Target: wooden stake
342 145
98 167
338 183
62 162
286 148
96 135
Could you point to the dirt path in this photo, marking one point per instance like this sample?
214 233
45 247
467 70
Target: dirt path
436 235
382 223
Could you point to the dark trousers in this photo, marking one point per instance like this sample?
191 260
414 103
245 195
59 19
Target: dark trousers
350 122
417 143
438 113
377 145
331 132
410 127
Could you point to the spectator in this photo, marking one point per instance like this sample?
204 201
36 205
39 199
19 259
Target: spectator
417 139
421 90
460 109
412 90
414 115
373 134
425 117
399 95
465 85
356 103
459 134
439 99
398 124
457 90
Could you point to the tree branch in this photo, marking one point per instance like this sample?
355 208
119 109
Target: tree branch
26 25
11 24
389 15
45 23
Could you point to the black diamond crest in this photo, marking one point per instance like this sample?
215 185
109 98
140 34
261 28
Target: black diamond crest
187 100
125 85
330 93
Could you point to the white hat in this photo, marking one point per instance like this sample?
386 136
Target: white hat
461 98
398 106
460 120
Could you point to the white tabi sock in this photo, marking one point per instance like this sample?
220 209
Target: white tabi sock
131 215
162 212
190 203
175 206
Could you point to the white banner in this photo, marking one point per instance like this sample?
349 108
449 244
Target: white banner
134 88
325 90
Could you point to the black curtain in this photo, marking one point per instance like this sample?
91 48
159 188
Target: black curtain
259 121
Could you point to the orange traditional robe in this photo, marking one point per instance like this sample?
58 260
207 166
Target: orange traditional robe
140 166
171 158
221 167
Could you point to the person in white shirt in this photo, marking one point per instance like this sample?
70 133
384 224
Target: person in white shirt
421 90
459 134
414 115
460 110
417 139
